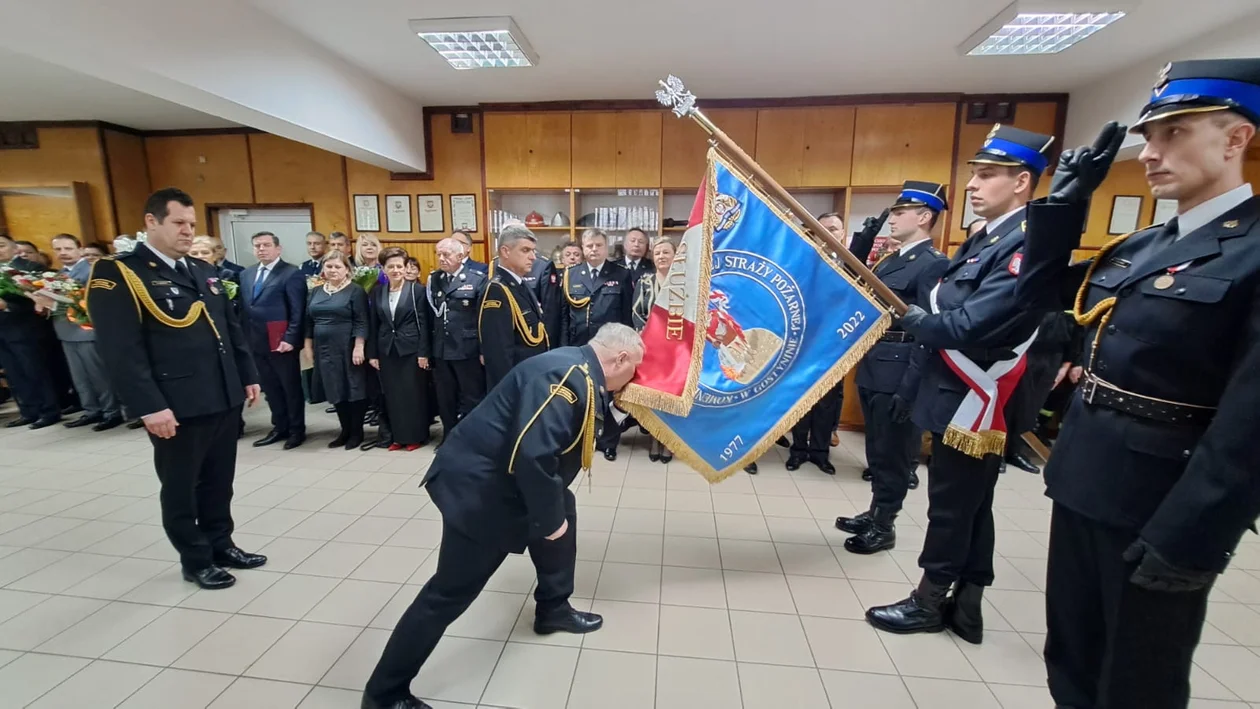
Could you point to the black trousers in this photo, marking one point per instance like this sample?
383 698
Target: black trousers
1111 644
464 567
30 378
556 562
959 542
461 385
811 436
406 410
281 378
350 416
196 469
608 437
892 450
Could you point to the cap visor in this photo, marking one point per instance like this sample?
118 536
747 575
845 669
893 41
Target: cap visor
1164 112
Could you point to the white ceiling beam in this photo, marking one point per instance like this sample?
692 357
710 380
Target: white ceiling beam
227 59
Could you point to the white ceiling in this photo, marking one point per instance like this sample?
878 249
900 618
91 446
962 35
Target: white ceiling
617 49
34 90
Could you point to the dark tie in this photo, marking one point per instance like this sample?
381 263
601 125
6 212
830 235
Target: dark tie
1162 240
182 270
258 282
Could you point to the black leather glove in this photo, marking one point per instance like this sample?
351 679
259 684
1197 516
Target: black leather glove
914 315
872 225
1081 170
1154 573
899 410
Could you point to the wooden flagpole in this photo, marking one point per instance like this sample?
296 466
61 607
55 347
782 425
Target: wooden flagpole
674 95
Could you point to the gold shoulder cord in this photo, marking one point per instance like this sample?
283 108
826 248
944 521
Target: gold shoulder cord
142 297
586 435
531 338
575 302
1105 306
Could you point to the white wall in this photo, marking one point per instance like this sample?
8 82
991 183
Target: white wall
1121 95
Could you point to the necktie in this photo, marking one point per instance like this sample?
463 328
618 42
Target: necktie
258 282
594 273
1162 240
183 271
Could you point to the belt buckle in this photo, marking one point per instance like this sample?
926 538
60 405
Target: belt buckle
1089 388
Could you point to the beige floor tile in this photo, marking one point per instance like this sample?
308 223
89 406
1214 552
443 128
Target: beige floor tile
742 527
936 655
742 555
251 693
628 627
597 496
13 603
64 573
170 688
752 591
1206 687
274 522
1237 668
29 629
166 589
515 575
592 546
688 501
687 683
249 585
235 645
768 485
629 582
377 504
284 554
634 548
304 653
1239 622
393 610
950 694
597 519
735 503
770 685
355 665
371 530
842 644
795 530
690 524
84 535
391 564
291 597
808 560
784 506
696 632
1017 697
872 567
613 680
353 603
27 678
100 684
770 638
532 677
632 521
115 581
336 560
491 617
321 526
693 552
682 586
164 640
103 630
458 670
129 541
1025 611
863 689
825 597
1004 658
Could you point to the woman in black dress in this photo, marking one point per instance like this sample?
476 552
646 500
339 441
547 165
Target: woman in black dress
394 351
336 329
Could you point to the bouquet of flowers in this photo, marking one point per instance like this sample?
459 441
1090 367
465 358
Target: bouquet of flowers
365 276
69 297
8 281
313 282
231 288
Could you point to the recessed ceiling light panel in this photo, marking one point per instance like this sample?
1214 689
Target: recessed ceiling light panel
477 42
1021 30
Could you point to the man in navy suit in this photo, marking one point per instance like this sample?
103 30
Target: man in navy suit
273 293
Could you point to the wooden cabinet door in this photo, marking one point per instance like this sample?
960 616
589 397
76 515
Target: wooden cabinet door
684 144
828 156
638 149
781 143
895 143
549 150
594 149
507 144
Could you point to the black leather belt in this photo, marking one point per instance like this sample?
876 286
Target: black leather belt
897 336
1098 392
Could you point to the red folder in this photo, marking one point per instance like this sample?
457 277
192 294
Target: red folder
275 333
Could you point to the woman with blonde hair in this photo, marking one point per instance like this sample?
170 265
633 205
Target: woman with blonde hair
645 292
367 251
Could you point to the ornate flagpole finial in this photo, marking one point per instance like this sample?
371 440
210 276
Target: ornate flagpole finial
676 96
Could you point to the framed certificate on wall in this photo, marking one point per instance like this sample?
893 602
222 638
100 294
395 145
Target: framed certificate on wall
464 212
1165 209
398 213
1125 211
367 213
429 207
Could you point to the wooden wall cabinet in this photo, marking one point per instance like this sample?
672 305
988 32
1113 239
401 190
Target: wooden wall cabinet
684 143
527 150
617 149
595 149
895 143
806 147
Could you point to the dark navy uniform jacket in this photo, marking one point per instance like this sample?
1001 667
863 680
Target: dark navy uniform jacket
979 315
895 367
157 356
450 330
590 303
502 476
1190 491
511 326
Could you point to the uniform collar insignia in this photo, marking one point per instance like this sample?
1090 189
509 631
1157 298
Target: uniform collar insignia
1231 224
995 239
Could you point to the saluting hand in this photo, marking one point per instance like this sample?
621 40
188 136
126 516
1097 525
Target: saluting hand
564 527
252 392
161 424
1082 170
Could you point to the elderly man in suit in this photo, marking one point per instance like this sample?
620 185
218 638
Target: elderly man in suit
273 293
220 259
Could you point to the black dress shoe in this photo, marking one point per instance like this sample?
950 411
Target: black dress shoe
920 613
654 456
71 409
783 442
133 425
330 410
568 620
751 468
610 454
914 481
294 441
1019 461
794 462
339 441
111 422
211 578
19 422
83 421
237 558
866 475
272 437
854 525
44 423
962 612
407 703
879 535
825 466
354 442
667 457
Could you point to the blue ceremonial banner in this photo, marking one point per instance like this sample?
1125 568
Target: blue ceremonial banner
784 325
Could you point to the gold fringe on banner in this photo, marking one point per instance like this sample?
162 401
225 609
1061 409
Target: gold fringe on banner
973 443
834 376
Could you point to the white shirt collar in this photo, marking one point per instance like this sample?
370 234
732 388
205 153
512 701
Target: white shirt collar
995 223
596 269
510 272
1207 212
167 259
907 248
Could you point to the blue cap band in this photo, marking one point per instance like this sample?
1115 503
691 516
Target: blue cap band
1245 95
926 198
1015 151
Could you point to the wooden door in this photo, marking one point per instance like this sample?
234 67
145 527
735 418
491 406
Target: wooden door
894 143
550 148
781 143
594 145
507 145
828 156
638 149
